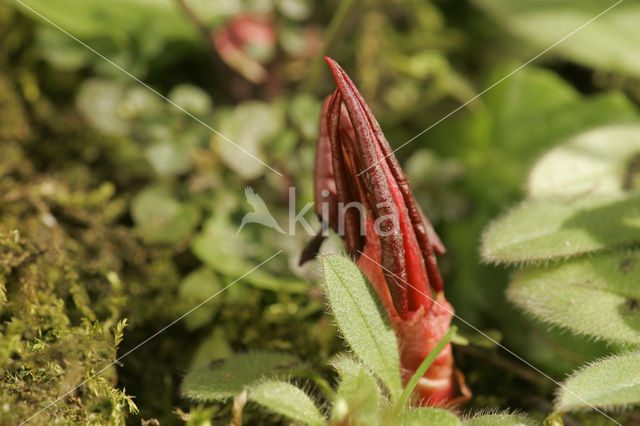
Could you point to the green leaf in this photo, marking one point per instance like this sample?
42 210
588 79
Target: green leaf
361 321
607 383
98 101
191 98
600 161
266 122
196 287
358 396
608 42
168 157
545 229
500 420
428 416
287 400
160 218
230 258
95 18
597 296
223 379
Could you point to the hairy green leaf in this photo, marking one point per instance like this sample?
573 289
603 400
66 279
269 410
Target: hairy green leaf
361 321
608 42
358 396
428 416
223 379
607 383
500 420
601 161
597 296
287 400
545 229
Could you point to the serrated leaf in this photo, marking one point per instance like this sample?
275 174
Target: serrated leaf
546 229
357 392
360 319
607 383
428 416
287 400
597 296
500 420
609 42
223 379
596 162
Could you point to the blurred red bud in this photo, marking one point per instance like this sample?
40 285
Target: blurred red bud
245 43
362 194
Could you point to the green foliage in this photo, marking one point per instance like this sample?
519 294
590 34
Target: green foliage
226 378
127 208
160 218
195 288
606 383
287 400
562 228
94 17
358 396
359 399
601 161
604 43
360 321
583 202
522 117
266 122
500 420
62 314
595 296
227 258
428 416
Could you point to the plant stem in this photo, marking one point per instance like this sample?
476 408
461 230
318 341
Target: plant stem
333 30
424 366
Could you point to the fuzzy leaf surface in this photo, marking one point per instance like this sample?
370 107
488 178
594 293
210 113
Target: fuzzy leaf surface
607 383
223 379
500 420
429 416
547 229
288 400
359 390
360 319
601 161
596 296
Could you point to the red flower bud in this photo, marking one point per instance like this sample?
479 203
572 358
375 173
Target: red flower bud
362 193
242 34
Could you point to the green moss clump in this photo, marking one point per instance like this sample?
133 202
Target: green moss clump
60 296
